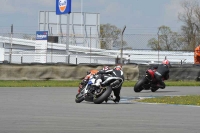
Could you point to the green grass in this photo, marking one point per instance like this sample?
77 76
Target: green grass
39 83
75 83
168 83
180 100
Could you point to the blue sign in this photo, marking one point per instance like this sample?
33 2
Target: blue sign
41 35
63 7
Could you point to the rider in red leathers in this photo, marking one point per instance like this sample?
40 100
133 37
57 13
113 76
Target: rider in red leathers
162 73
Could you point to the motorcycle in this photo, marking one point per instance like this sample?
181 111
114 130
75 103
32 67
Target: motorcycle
98 94
148 82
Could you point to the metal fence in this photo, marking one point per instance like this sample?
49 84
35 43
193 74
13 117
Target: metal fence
131 41
21 49
28 56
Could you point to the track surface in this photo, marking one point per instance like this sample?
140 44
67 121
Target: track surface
53 110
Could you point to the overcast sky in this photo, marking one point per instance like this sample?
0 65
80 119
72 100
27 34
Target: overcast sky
138 15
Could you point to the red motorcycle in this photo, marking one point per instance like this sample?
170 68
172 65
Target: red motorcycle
149 82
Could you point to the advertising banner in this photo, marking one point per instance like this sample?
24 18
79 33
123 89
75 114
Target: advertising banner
63 7
41 46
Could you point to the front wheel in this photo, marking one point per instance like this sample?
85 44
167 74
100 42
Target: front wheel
79 98
139 85
98 99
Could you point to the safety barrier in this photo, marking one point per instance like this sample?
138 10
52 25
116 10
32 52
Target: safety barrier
132 72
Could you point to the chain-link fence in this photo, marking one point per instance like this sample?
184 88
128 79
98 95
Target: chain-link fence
28 56
134 48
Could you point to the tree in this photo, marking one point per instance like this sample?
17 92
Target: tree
191 20
110 36
153 44
167 40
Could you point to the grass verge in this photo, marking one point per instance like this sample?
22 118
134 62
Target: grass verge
179 100
75 83
39 83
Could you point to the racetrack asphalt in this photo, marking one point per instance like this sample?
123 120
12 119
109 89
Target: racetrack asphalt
53 110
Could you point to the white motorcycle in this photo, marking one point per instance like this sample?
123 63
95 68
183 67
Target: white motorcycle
98 94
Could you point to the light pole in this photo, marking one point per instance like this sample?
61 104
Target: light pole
122 44
90 45
158 47
11 35
81 14
82 21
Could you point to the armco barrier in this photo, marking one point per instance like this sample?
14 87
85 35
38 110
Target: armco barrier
72 72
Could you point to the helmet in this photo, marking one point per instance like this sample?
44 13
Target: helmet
166 62
106 68
118 67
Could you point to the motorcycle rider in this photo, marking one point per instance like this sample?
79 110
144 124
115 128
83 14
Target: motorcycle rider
106 71
162 73
86 79
89 74
100 77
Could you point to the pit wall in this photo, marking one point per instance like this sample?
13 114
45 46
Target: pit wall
76 72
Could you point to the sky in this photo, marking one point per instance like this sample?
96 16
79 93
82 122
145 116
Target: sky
139 16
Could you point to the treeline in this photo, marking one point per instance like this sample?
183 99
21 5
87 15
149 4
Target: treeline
188 39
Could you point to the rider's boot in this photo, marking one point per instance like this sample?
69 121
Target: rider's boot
116 101
111 97
114 98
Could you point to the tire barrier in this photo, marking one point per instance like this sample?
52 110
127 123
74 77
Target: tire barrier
132 72
56 72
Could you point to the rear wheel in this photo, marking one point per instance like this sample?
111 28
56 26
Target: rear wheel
154 89
139 85
98 99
